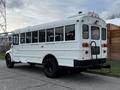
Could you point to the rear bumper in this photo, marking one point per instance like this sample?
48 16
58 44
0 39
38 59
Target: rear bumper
95 63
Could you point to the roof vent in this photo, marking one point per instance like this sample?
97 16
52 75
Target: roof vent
80 12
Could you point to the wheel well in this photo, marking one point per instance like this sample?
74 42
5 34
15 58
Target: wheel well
6 55
50 56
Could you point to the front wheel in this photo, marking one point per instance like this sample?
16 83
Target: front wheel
9 63
50 68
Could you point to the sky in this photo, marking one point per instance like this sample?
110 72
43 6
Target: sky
22 13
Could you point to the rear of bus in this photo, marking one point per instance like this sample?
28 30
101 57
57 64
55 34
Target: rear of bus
93 43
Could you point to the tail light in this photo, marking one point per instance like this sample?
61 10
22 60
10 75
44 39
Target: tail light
85 45
104 45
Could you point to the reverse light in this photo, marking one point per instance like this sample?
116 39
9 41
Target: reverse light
85 45
104 45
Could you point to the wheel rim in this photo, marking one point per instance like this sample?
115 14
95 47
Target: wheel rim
49 67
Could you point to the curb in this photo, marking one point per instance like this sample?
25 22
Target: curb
105 74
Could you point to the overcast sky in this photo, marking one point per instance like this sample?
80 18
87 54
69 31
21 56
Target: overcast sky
22 13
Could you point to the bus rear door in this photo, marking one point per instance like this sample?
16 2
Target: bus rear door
95 42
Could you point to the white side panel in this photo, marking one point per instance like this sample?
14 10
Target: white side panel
65 52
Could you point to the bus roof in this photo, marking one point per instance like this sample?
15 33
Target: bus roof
63 22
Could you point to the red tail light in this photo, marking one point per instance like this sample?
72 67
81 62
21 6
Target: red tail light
104 45
85 45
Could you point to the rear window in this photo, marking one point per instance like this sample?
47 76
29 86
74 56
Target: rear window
103 34
85 31
95 33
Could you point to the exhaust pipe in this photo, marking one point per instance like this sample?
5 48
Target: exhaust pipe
101 66
106 66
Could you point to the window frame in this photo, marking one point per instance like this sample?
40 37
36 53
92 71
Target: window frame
30 37
15 40
73 33
22 38
34 38
83 32
103 38
44 36
62 33
99 33
53 34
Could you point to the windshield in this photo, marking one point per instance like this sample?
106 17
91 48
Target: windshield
95 33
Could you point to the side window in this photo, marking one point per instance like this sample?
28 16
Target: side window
34 36
42 36
28 37
22 38
85 31
50 35
16 39
70 32
59 33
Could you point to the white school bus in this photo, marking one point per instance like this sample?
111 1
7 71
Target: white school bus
77 42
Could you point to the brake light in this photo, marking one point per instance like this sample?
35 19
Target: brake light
85 45
104 45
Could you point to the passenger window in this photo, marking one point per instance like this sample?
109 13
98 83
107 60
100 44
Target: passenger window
34 36
42 36
16 39
13 40
59 33
22 38
85 31
28 37
70 32
50 35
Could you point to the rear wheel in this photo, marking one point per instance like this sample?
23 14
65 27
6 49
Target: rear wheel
9 63
50 67
76 70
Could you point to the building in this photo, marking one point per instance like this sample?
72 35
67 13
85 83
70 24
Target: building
113 41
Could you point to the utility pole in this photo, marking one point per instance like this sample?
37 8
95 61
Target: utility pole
3 26
3 23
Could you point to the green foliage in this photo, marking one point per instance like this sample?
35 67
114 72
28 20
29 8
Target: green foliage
114 70
2 56
115 67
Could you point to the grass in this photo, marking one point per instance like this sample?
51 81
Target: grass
114 70
2 56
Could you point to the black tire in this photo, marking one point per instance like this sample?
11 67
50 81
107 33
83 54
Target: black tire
50 67
9 63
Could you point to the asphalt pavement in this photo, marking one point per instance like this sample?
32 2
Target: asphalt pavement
24 77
